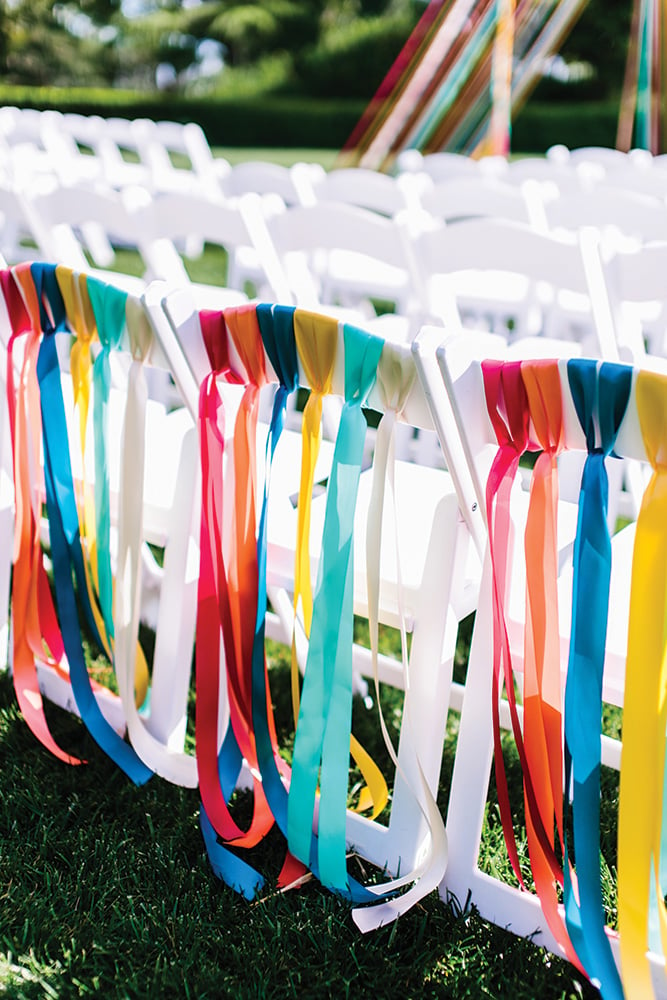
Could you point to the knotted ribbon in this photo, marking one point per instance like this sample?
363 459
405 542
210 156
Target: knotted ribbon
218 615
81 321
396 375
170 763
317 343
600 393
324 723
507 406
640 825
64 526
36 633
515 392
542 674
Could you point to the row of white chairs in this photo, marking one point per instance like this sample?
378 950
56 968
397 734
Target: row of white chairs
331 253
446 185
441 534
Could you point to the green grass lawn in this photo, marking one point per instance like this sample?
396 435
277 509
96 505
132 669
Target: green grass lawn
105 889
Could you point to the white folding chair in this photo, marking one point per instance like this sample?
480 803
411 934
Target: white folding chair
170 222
337 254
363 187
166 508
85 227
634 285
293 185
496 274
434 556
178 157
452 374
467 197
612 210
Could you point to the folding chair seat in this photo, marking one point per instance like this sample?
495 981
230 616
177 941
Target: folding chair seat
596 407
433 547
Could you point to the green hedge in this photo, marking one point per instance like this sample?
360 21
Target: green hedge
539 126
352 60
307 123
257 121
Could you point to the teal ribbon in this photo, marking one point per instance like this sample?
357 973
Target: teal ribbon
600 396
324 723
108 305
644 75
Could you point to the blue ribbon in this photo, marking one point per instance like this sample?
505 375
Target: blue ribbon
600 396
64 528
276 325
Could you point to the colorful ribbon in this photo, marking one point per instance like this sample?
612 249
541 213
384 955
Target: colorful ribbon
600 393
216 618
323 727
64 528
36 633
640 823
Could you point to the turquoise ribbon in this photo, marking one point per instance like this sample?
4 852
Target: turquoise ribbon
66 549
600 396
108 304
324 723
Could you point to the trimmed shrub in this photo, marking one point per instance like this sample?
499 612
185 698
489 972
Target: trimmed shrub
304 122
352 60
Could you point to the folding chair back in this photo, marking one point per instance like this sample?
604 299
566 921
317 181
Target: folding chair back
599 408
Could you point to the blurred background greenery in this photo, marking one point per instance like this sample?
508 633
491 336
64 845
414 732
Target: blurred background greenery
267 72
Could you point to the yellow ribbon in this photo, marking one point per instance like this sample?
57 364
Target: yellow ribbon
81 317
317 343
645 704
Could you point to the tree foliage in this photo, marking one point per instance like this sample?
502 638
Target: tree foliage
111 42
